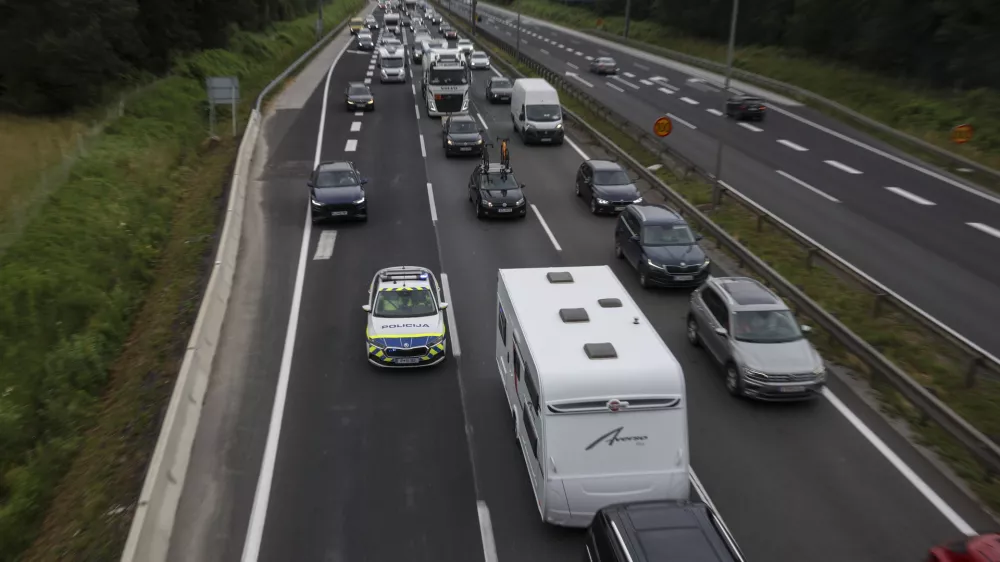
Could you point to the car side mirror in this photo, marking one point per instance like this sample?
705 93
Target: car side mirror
364 181
367 308
720 331
634 238
698 237
481 131
520 117
523 186
443 306
806 329
310 184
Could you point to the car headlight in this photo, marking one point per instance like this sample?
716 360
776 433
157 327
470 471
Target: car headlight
639 200
315 203
487 203
479 141
519 202
559 126
449 142
754 372
360 201
350 102
820 373
602 201
371 341
707 263
371 102
530 127
435 340
653 264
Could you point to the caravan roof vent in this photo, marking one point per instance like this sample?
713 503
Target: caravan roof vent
559 277
610 303
600 350
574 315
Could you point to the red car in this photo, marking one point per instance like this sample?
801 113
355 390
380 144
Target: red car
982 548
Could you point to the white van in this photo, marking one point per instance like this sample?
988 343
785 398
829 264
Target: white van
597 399
536 112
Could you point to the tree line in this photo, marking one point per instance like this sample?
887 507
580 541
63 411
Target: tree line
944 43
58 55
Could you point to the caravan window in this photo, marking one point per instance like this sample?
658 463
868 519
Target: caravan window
517 363
529 428
502 324
532 389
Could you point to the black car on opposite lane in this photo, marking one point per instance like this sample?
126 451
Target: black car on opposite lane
746 108
606 186
358 96
336 191
461 135
658 242
499 89
494 191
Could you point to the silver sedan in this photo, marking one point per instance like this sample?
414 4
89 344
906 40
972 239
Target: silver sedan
479 60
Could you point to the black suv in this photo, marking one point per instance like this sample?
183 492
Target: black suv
660 530
499 88
461 135
660 245
607 187
746 107
336 191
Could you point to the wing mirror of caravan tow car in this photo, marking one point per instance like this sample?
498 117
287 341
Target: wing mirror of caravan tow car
366 308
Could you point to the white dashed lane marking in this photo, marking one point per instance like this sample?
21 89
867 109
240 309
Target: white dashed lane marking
690 101
355 126
351 146
912 197
792 145
985 228
842 167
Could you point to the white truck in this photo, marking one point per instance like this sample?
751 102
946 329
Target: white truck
391 23
536 112
445 82
598 401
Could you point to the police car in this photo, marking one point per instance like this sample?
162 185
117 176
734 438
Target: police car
405 318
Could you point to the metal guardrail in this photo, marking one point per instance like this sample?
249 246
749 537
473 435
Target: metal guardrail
156 510
958 160
984 449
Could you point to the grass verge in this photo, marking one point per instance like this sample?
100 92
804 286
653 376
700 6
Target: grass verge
905 343
926 113
99 294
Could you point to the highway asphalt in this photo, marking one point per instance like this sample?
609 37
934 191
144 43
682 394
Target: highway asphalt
921 232
376 465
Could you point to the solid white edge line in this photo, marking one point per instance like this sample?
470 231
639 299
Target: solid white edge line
430 198
610 85
681 121
985 228
483 121
911 196
896 159
578 150
416 109
486 532
703 493
819 192
545 226
262 494
456 350
898 463
423 149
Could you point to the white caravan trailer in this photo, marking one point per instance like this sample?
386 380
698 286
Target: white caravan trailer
598 400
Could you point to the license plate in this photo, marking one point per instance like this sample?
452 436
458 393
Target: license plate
619 208
683 277
407 360
338 213
466 148
505 210
546 140
793 389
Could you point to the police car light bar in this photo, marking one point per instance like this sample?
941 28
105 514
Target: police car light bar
404 275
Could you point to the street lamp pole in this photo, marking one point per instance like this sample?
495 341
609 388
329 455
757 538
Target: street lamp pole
319 19
474 6
628 16
717 191
517 58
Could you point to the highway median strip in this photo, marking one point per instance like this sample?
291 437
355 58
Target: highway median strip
102 289
936 366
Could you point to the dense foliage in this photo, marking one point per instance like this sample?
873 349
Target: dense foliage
951 43
61 54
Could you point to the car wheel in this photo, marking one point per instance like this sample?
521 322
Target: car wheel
576 189
692 331
593 205
479 209
733 384
643 276
618 251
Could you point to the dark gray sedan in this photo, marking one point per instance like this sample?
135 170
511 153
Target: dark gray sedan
460 135
499 88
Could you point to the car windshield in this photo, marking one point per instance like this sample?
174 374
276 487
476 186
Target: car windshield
605 60
766 326
667 235
404 304
611 177
357 91
336 178
499 181
392 43
462 127
449 77
543 112
501 83
464 43
392 63
479 56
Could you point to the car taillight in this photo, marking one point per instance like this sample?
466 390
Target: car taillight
743 107
438 97
762 107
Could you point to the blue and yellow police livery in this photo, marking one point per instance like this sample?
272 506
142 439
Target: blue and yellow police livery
405 318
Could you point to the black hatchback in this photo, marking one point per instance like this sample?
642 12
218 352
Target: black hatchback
746 107
499 89
336 191
495 193
659 244
606 186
